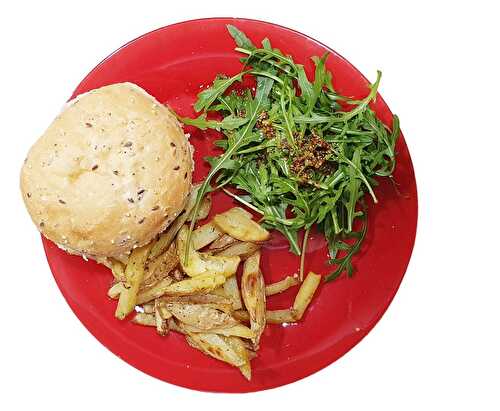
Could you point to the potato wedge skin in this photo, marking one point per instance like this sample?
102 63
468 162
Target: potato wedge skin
253 290
201 316
218 347
239 225
224 241
240 249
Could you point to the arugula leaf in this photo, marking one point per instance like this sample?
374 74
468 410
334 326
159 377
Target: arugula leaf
219 86
240 38
228 123
308 93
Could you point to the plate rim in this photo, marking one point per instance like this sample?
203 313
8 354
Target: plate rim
329 359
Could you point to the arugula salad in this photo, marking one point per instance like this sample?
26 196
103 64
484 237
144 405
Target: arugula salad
299 154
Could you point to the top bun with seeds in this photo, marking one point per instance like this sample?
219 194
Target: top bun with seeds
111 172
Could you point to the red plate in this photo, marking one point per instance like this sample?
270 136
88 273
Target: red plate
172 64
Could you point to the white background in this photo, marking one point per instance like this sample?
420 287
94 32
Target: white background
437 345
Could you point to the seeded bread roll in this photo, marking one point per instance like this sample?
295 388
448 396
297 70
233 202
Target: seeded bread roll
110 173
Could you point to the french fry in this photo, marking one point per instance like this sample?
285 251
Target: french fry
160 267
203 283
233 292
306 293
217 346
134 273
238 224
161 323
254 295
201 316
201 263
118 270
204 235
115 290
203 210
242 250
222 242
155 291
272 316
144 319
282 285
169 235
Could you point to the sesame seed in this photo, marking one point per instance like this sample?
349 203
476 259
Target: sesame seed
95 167
62 201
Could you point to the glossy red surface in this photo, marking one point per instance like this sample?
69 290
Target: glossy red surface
173 63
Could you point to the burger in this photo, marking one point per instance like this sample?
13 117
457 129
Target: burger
111 172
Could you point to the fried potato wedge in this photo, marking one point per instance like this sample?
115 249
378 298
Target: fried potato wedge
306 293
272 316
115 290
282 285
201 263
238 224
160 267
222 242
154 291
200 284
144 319
203 210
134 273
238 330
204 235
242 250
233 292
253 290
169 235
217 346
239 347
210 300
201 316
